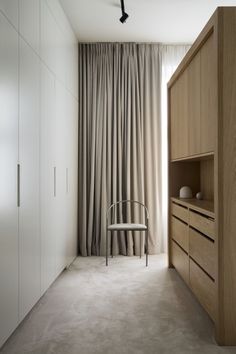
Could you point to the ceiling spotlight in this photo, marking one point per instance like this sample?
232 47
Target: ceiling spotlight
124 14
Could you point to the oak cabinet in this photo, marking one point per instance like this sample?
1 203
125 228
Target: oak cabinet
208 91
193 100
180 261
193 105
206 163
179 117
203 287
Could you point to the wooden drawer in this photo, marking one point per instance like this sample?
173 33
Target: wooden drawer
202 250
180 261
202 223
180 211
203 287
179 233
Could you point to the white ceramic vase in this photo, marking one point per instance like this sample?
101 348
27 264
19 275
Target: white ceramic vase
185 192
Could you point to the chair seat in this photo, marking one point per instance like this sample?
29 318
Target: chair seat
127 227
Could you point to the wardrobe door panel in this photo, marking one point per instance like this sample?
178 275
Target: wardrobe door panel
48 179
174 98
29 231
194 106
8 179
29 22
208 96
60 143
179 117
53 42
10 10
72 178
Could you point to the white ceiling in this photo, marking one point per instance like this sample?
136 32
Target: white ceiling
166 21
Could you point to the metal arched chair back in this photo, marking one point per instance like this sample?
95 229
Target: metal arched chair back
121 226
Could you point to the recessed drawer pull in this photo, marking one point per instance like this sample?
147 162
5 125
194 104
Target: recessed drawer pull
202 250
180 261
179 232
180 211
203 287
202 223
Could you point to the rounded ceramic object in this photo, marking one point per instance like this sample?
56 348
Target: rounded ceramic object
185 193
199 196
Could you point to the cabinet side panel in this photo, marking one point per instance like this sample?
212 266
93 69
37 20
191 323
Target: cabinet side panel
227 180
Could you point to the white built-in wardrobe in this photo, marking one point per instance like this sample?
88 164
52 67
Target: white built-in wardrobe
38 153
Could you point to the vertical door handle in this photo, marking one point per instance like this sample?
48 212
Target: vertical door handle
18 185
67 180
54 181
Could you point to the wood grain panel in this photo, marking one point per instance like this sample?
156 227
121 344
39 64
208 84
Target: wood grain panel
179 117
205 207
184 174
207 178
208 96
180 211
194 127
216 43
203 287
179 232
202 223
202 250
227 177
180 261
174 119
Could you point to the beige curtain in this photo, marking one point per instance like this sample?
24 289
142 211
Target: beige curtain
119 141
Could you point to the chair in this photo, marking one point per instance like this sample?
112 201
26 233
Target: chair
127 226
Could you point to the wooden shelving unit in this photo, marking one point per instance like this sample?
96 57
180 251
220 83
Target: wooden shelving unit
202 206
202 155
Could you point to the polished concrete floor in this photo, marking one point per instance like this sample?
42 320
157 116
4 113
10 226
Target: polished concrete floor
125 308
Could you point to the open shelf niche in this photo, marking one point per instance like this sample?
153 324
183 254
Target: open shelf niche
198 174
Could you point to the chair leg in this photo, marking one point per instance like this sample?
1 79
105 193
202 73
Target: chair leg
106 248
140 244
147 248
112 244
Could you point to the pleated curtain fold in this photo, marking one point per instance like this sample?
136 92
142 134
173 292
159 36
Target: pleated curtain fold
120 145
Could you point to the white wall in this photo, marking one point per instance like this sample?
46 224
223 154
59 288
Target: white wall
38 133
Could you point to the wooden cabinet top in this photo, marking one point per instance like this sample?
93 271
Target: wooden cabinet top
205 207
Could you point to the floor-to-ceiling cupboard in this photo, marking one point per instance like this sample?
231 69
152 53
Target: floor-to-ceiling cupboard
38 153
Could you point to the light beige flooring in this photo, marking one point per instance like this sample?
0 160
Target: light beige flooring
124 308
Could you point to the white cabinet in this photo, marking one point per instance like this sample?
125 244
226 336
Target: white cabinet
48 178
72 178
8 179
29 22
29 223
53 48
10 10
66 157
38 154
59 139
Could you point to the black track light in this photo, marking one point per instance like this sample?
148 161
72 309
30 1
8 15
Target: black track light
124 14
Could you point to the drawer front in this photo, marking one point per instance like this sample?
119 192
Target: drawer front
202 250
180 261
202 223
203 287
179 233
180 211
